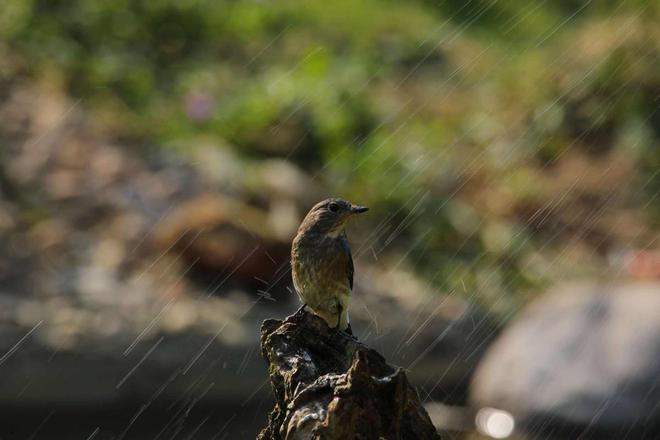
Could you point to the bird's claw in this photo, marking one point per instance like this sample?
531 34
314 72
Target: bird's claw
348 335
301 309
348 332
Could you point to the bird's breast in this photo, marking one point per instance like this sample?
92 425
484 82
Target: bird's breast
320 265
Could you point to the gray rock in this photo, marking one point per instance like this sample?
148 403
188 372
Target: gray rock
582 361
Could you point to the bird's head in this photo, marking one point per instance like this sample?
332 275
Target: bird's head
329 216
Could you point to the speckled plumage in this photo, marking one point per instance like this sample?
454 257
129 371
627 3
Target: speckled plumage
321 261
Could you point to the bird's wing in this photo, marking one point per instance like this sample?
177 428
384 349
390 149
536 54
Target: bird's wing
349 267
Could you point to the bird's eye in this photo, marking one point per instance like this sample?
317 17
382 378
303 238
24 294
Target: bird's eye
333 207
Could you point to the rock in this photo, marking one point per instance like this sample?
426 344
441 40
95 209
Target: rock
584 361
222 234
330 386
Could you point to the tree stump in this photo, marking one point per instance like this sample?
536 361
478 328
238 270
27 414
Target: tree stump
327 385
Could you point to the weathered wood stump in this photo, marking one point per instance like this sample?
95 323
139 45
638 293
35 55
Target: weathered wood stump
327 385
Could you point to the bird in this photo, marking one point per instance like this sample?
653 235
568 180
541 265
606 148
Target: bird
321 261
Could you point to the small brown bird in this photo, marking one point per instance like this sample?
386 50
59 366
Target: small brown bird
321 261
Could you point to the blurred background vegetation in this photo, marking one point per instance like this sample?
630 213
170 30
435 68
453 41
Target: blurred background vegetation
501 145
463 123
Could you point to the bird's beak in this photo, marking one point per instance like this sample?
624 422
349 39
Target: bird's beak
355 209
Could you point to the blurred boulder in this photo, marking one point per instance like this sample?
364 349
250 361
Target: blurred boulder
581 362
223 234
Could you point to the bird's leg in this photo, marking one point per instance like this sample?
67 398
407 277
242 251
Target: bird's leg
301 309
348 332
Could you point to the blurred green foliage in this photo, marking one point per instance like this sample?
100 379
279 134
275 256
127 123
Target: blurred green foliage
448 117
